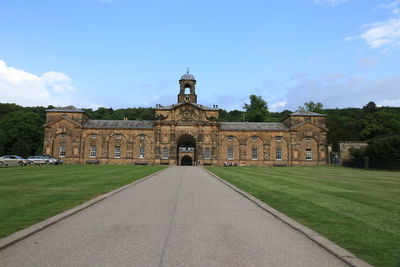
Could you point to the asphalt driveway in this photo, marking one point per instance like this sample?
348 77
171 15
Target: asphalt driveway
180 217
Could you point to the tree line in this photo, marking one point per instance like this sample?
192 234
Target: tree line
21 128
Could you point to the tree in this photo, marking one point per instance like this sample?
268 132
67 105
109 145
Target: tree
370 107
313 107
257 110
22 133
380 123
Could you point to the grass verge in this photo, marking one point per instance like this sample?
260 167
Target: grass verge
32 194
357 209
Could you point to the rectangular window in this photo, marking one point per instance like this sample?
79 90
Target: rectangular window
279 154
141 152
230 153
308 154
92 151
254 153
62 152
165 153
117 152
207 153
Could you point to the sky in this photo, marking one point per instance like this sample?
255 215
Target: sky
131 53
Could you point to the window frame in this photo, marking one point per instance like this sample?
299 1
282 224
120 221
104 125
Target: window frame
230 154
278 154
308 154
141 152
93 152
207 153
117 153
254 153
62 152
165 153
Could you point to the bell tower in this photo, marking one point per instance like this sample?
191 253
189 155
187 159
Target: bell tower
187 92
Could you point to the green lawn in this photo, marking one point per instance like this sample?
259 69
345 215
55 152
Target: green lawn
31 194
357 209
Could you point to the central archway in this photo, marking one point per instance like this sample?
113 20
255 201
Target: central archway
186 147
186 161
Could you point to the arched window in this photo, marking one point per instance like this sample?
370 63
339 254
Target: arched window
308 154
207 153
230 153
254 153
93 151
62 151
165 153
279 154
117 152
141 152
187 89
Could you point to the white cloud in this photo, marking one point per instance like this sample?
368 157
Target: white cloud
341 90
277 106
24 88
383 34
393 6
330 2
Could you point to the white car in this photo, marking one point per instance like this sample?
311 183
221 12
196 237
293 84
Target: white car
38 160
13 160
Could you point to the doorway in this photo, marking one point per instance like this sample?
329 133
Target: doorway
186 147
186 161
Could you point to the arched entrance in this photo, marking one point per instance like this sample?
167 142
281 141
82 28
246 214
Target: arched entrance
186 161
186 150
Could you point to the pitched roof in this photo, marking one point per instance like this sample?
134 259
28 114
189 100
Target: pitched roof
180 104
125 124
254 126
65 109
303 112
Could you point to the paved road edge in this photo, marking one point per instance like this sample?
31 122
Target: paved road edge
328 245
24 233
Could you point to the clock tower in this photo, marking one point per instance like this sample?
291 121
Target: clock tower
187 92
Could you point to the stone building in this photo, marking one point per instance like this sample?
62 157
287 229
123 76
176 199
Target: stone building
186 133
345 148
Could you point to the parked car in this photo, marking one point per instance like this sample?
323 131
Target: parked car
13 160
52 160
38 160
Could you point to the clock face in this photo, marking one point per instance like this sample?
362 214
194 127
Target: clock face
187 98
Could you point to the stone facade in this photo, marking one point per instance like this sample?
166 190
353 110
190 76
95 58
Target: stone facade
345 148
186 133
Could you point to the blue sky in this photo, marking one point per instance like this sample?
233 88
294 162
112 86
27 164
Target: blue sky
126 53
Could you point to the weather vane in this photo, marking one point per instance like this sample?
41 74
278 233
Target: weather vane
187 70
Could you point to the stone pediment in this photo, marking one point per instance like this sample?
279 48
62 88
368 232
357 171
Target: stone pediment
186 112
65 120
307 125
